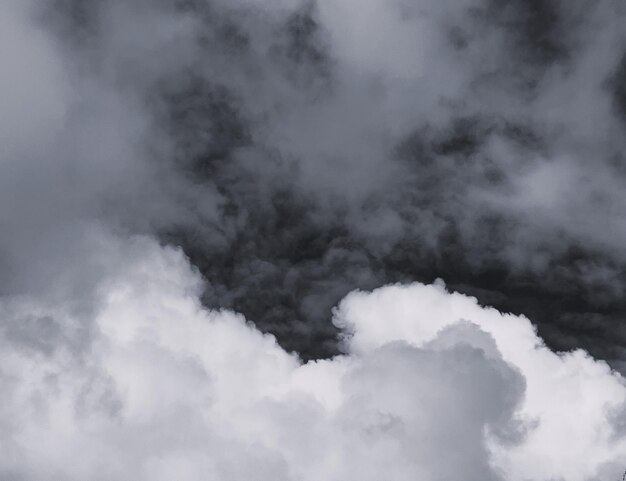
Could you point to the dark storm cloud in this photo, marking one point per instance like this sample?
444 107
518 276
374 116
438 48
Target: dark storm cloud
295 161
297 151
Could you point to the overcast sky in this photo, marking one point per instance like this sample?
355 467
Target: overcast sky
312 240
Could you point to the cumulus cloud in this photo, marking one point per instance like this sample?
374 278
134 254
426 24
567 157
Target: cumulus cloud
432 386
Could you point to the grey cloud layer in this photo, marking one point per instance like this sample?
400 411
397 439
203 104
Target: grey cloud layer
162 158
299 150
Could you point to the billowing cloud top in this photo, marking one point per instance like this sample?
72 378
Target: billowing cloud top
432 385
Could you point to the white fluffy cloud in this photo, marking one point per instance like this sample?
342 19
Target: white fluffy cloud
149 385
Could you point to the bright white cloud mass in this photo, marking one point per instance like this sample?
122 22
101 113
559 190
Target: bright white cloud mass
155 387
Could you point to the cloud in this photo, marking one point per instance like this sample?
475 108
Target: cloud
298 152
421 314
431 385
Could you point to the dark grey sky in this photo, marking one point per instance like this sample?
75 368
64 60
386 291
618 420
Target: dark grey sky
298 151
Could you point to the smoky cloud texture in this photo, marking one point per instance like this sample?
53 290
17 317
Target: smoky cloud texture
299 150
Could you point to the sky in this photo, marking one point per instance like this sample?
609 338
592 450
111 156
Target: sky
312 239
